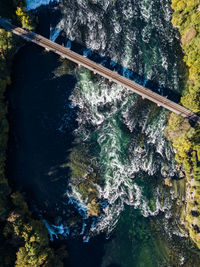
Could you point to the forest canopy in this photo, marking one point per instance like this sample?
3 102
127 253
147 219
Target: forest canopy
184 137
187 18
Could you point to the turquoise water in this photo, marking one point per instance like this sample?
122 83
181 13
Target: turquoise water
123 155
128 133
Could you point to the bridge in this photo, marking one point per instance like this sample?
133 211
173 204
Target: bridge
112 76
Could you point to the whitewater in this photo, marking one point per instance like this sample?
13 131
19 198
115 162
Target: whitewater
128 131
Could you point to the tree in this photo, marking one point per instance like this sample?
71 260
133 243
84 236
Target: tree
24 18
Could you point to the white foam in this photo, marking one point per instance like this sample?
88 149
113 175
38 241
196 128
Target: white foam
100 103
91 96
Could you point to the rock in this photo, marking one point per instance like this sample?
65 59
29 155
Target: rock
168 182
188 36
164 173
93 208
140 150
181 174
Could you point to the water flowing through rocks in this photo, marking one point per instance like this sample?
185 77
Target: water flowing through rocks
113 156
128 132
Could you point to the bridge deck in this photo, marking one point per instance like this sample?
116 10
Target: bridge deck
97 68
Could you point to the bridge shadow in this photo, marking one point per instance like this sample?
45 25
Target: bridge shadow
114 66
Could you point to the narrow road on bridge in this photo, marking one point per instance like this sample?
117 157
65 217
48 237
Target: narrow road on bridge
112 76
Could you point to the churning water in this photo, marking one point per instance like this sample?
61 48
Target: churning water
63 116
128 133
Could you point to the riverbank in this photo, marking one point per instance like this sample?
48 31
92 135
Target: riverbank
184 137
43 118
25 240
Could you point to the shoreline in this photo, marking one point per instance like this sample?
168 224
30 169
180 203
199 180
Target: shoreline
61 242
184 137
25 239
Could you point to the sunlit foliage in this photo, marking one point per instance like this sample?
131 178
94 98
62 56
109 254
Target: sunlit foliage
187 18
186 139
24 18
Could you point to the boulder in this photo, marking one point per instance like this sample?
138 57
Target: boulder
188 36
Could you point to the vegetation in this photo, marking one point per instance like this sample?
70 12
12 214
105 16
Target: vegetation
29 237
23 240
15 10
24 18
187 18
186 139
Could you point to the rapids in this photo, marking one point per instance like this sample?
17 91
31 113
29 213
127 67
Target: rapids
121 136
128 132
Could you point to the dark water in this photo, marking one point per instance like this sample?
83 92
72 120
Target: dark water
38 102
54 107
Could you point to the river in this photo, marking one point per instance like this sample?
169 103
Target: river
63 116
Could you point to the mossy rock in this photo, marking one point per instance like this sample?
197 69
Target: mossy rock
93 208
